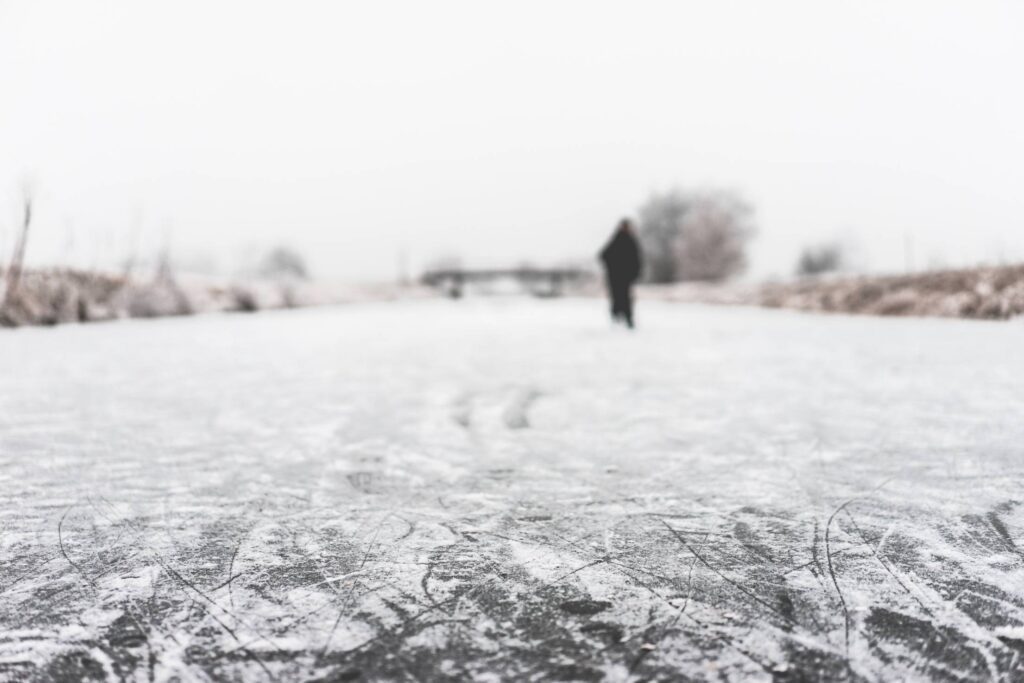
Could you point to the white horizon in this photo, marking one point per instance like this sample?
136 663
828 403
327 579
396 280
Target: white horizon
367 136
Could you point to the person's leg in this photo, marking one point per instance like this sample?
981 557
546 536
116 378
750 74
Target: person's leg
627 305
615 299
620 296
612 301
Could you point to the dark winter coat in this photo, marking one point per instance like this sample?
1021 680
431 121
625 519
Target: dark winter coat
621 258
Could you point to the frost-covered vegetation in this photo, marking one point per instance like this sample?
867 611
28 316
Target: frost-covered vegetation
989 293
993 293
55 296
51 296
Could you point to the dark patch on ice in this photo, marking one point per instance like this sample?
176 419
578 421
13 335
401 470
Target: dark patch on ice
501 473
1003 532
342 676
940 647
535 518
125 633
75 666
575 672
746 536
584 607
365 482
606 631
1016 644
806 664
785 606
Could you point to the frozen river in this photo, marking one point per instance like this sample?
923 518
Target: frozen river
512 490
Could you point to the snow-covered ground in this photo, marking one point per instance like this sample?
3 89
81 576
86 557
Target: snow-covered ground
512 490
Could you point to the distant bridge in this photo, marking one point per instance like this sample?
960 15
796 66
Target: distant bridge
544 282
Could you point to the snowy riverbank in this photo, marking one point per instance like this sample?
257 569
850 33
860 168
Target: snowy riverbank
60 296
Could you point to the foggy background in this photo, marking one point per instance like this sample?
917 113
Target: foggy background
371 135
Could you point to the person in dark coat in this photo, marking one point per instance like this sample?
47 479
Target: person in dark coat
622 262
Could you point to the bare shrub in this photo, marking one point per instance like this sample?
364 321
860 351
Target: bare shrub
155 300
820 259
161 297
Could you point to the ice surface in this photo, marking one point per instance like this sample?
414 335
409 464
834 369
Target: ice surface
512 490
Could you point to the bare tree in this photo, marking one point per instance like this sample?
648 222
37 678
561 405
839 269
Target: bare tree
695 235
713 243
661 223
821 258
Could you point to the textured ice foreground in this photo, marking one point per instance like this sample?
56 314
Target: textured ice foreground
512 490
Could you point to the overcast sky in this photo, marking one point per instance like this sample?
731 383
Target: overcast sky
508 131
